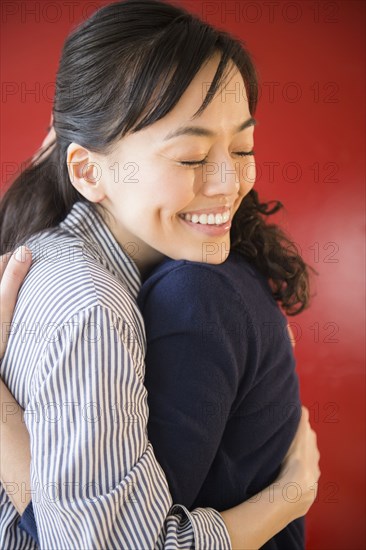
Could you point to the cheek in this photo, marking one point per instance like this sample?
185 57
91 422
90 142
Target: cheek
159 192
171 192
248 176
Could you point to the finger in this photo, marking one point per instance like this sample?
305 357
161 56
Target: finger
50 137
4 262
304 419
13 275
291 336
12 278
305 412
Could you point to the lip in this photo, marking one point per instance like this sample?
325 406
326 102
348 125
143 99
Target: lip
211 230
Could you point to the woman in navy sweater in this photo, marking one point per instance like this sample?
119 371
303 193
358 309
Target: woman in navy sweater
223 393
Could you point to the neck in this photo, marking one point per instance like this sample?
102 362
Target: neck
144 256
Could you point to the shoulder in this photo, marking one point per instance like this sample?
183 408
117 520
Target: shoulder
65 277
182 297
235 280
197 315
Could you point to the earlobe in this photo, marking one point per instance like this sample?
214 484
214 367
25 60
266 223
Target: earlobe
85 173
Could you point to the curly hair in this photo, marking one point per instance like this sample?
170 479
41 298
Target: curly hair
271 251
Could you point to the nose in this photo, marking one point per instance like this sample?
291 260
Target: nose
228 176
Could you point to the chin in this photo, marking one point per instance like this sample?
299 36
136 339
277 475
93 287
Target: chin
209 255
216 259
215 253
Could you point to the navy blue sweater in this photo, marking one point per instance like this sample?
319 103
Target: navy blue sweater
223 392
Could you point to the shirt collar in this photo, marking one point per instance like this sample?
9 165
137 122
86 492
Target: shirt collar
102 245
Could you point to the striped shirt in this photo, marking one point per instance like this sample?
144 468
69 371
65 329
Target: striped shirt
75 363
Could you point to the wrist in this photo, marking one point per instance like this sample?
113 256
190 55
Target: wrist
258 519
286 506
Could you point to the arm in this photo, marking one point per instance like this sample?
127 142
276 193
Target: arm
142 495
16 459
206 524
272 513
95 480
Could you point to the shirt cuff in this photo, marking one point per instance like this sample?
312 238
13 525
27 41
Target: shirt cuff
209 529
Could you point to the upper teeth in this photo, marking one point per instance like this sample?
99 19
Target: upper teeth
208 219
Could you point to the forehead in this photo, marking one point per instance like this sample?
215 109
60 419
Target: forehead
231 89
229 106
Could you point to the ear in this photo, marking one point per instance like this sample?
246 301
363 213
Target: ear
85 173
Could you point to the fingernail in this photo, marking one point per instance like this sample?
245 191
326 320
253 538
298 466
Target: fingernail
20 254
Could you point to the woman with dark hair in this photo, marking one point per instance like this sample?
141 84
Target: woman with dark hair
150 178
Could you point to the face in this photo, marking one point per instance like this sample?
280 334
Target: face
174 187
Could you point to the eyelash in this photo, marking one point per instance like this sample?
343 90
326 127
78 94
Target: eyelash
204 161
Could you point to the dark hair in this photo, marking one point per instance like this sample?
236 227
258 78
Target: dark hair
111 68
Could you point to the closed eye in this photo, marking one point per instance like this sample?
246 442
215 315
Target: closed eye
193 162
204 161
245 153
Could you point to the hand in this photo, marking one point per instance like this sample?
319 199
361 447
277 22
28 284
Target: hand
254 522
13 269
50 137
301 465
291 336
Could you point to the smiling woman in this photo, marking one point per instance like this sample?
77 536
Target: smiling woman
129 94
179 206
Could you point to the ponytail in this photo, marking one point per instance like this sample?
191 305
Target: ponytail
37 200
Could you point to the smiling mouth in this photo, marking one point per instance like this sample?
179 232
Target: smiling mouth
209 218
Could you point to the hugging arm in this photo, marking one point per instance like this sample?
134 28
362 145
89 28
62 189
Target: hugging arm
95 480
249 525
107 489
17 266
108 483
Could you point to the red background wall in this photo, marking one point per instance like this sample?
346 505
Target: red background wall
310 151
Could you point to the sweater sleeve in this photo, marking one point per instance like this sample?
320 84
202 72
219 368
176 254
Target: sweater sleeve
197 342
95 479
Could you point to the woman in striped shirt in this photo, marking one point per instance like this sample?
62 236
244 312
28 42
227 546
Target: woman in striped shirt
149 141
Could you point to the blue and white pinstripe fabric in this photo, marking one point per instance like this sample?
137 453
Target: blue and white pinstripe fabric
75 362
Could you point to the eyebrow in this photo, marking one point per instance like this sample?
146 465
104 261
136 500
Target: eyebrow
200 131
